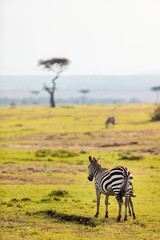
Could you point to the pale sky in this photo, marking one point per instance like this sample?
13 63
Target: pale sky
98 36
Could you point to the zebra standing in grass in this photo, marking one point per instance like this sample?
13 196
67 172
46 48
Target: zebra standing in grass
117 181
110 120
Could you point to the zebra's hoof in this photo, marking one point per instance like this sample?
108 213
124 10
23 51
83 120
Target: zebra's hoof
125 219
96 216
118 219
106 216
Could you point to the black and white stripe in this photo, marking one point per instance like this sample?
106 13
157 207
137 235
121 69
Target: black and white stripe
117 181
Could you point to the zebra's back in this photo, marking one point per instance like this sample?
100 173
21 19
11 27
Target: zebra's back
114 182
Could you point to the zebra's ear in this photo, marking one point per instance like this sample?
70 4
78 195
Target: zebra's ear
90 158
99 158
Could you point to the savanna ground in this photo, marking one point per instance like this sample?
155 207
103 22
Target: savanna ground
44 191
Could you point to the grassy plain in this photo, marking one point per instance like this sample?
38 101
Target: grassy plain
44 191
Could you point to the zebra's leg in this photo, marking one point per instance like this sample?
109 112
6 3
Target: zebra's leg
120 202
106 202
129 207
132 208
98 201
127 200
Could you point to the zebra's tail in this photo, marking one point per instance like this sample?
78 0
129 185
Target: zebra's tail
125 182
132 195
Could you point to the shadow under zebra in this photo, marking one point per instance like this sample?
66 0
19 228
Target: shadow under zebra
86 221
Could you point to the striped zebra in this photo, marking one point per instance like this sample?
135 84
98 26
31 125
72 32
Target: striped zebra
117 181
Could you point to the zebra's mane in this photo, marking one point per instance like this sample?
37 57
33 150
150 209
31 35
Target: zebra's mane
96 161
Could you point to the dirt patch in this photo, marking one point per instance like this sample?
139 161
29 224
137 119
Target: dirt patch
66 218
36 175
37 180
28 169
105 140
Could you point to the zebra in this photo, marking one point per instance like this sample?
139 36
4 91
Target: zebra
117 181
110 120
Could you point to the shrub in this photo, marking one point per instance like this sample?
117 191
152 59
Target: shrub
57 199
19 205
15 200
25 199
60 153
59 193
83 152
45 200
43 152
9 204
156 114
63 153
131 157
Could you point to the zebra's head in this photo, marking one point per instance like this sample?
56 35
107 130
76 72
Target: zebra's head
93 161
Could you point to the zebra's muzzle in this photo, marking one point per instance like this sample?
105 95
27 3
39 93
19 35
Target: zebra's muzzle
90 178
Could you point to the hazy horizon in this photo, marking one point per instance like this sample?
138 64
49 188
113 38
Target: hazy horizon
100 87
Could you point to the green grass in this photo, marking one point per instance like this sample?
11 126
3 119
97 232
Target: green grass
44 191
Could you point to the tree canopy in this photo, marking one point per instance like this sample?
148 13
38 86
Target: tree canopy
155 88
55 64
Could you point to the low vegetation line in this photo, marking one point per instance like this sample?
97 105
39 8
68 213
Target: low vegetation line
65 217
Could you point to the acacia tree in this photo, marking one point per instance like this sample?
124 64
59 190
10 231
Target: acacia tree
157 90
57 65
84 92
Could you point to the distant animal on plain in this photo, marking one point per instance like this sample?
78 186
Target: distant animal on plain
117 181
12 105
110 120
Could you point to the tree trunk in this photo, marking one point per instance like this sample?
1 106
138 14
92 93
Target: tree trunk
51 92
52 101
